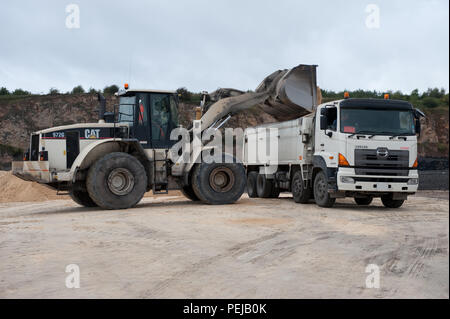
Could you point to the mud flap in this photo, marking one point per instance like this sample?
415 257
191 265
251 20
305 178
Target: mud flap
399 196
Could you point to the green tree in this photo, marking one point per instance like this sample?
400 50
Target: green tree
92 90
20 92
111 89
434 92
430 102
4 91
53 91
445 99
415 93
78 89
184 94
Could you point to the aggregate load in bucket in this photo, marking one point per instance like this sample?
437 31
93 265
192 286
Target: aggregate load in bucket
284 94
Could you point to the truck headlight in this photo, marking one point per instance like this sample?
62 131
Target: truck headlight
413 181
347 180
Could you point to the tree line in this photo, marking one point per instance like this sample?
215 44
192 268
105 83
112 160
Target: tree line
111 89
431 98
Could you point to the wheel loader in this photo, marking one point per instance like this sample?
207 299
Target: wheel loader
112 163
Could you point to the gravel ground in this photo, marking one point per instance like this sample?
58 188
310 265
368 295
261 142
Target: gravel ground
168 247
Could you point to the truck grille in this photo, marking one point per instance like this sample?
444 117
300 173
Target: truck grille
381 162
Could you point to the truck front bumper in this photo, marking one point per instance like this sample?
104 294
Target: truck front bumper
37 171
348 181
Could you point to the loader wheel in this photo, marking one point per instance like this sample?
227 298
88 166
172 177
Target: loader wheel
321 195
264 186
218 183
116 181
81 197
251 184
363 201
189 193
299 192
391 203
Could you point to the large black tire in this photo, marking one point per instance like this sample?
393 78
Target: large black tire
251 184
219 183
391 203
300 193
321 195
116 181
189 193
264 186
81 197
363 201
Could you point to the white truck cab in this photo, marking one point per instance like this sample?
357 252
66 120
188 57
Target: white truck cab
363 148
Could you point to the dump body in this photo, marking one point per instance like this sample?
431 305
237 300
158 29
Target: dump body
282 142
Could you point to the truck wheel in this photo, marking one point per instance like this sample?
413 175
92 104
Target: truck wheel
264 186
189 193
363 201
82 198
116 181
251 184
299 192
391 203
219 183
321 195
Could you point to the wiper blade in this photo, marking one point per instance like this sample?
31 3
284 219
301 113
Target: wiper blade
371 133
398 134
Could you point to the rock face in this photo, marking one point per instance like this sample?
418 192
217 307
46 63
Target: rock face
19 117
433 141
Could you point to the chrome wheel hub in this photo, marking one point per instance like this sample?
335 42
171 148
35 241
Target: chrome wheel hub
120 181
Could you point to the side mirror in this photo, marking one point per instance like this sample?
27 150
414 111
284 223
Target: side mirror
418 114
418 126
323 122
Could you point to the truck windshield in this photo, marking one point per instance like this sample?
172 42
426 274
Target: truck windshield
377 121
126 109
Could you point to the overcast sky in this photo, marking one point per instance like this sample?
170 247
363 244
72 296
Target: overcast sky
203 45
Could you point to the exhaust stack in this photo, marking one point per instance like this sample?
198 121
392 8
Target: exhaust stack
101 108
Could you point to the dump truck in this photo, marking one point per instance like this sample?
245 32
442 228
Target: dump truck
112 163
360 148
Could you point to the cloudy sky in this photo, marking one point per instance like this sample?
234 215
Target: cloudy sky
203 45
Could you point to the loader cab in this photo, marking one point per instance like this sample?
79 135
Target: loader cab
151 116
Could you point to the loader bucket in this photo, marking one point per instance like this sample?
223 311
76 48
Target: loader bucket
295 94
285 94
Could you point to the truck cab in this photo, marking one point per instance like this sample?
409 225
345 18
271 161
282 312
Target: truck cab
367 148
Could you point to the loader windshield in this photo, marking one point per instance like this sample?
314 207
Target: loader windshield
377 121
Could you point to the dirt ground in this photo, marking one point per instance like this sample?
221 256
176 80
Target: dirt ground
169 247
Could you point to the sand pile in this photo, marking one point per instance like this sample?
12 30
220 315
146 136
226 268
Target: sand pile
13 189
